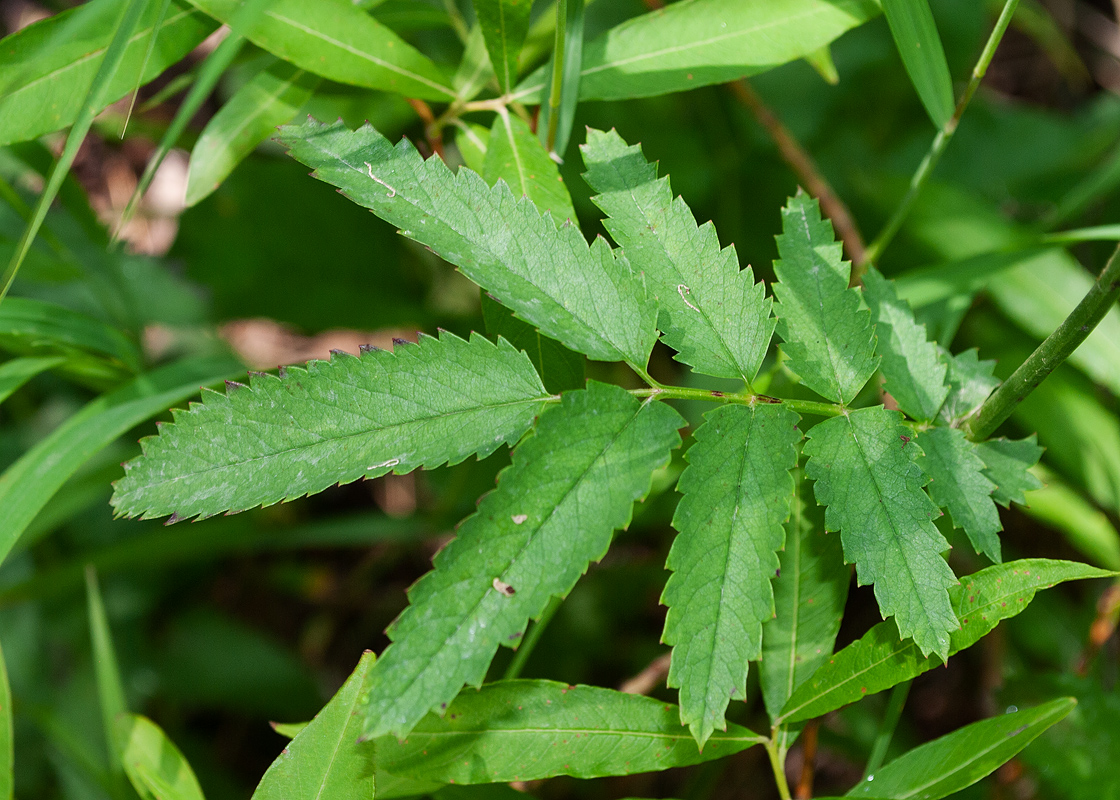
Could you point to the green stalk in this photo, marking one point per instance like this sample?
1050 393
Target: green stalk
525 649
812 407
777 765
1050 354
557 74
886 728
940 142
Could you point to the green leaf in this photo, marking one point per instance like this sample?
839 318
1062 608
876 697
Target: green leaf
557 115
881 660
515 155
473 142
1007 464
49 66
270 98
155 766
1084 525
586 298
958 483
474 71
28 484
736 495
279 438
700 42
713 313
829 339
560 368
32 326
504 24
874 496
809 596
338 40
526 730
7 752
18 371
915 36
110 689
914 372
954 762
970 382
288 730
570 485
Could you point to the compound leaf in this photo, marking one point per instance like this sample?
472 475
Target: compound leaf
914 372
570 485
828 338
504 24
154 765
713 314
958 483
586 298
880 659
736 495
516 155
526 730
1008 463
970 382
422 405
873 493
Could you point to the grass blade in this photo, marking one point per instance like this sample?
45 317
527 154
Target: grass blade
915 36
110 689
7 754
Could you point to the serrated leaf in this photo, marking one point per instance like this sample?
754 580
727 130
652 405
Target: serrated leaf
958 483
954 762
880 660
504 24
915 35
586 298
713 314
570 485
873 493
560 368
526 730
278 438
914 373
1007 463
829 339
736 495
809 596
515 155
155 766
970 382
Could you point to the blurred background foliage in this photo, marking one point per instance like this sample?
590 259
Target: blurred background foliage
226 624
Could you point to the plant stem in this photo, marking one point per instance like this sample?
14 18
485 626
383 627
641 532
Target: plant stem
812 407
1050 354
557 73
886 728
940 142
525 649
779 768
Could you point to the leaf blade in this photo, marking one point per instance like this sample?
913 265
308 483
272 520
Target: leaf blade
156 768
504 25
18 371
1007 463
915 35
515 155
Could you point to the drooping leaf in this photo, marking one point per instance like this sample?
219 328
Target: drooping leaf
970 382
36 327
700 42
515 155
504 24
915 375
278 438
28 484
557 115
110 689
736 495
809 596
915 35
880 660
586 298
248 118
873 493
954 762
1007 464
7 752
155 766
570 485
560 368
338 40
958 483
18 371
712 313
48 66
828 338
525 730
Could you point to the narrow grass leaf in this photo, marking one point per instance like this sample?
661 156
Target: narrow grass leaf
569 487
7 751
736 495
970 382
29 484
157 26
873 493
556 117
809 596
504 24
713 314
880 660
110 689
18 371
333 422
515 155
1007 464
911 365
1085 526
33 326
586 298
915 35
560 368
954 762
528 730
958 483
154 765
829 339
251 116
